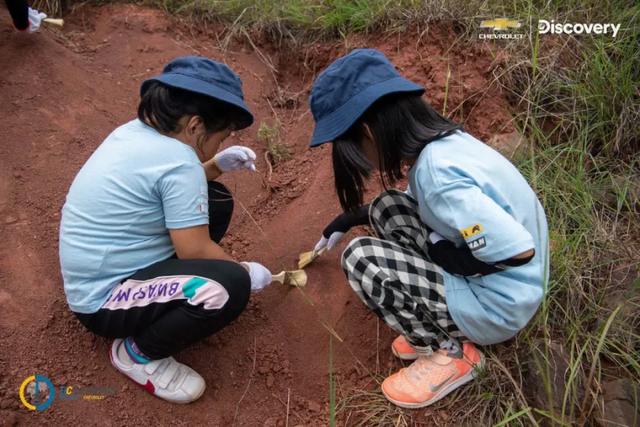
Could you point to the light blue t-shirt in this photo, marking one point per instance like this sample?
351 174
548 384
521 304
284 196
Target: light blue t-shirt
136 186
470 194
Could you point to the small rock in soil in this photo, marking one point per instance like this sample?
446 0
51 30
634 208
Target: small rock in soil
314 406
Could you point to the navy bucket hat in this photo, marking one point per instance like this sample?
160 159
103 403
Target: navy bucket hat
347 87
207 77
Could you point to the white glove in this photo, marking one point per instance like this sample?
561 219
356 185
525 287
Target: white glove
35 19
435 237
260 276
329 243
235 158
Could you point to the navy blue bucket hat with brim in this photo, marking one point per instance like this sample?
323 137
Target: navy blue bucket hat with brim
348 87
206 77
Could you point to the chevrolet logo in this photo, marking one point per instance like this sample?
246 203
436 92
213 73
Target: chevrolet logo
500 24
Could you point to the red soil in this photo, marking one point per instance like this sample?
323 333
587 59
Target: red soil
62 92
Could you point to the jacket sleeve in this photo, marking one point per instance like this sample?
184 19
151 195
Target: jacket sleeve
490 232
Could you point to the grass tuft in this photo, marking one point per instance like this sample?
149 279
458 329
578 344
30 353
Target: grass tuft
270 136
332 386
53 8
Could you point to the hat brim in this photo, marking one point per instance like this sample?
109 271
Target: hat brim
338 122
181 81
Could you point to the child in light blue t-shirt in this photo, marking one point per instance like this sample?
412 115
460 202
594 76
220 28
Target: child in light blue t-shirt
459 258
141 224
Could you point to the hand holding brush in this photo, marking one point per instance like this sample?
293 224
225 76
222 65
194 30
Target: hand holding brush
259 274
334 232
261 277
293 278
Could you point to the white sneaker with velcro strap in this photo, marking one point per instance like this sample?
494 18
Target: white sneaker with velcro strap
165 378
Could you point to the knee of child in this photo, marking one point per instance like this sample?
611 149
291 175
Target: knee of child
221 194
238 287
235 280
354 251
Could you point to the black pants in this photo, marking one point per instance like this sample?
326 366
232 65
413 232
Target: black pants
174 303
19 10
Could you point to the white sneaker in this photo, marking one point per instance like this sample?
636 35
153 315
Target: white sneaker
165 378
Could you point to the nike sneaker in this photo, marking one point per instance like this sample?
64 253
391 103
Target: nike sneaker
430 378
165 378
402 349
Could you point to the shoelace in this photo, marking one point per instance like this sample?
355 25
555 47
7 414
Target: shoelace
452 348
420 368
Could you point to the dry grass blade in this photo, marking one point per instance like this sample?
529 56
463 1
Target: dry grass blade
517 387
253 369
596 358
50 7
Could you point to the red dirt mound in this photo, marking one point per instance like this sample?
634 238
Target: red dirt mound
62 92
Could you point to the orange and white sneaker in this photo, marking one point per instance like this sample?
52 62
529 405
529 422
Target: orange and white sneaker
402 349
430 378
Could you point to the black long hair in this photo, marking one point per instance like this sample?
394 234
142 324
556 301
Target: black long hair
402 124
162 107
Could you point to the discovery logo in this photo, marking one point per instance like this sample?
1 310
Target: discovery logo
552 27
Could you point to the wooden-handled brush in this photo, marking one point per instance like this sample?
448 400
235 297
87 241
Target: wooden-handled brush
293 278
54 21
307 258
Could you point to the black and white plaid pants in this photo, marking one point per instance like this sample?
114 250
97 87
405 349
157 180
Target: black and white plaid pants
394 276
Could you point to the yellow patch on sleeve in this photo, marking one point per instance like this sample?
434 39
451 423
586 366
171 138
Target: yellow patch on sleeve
471 231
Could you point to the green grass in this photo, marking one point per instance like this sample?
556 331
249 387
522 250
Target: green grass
584 216
270 136
312 15
332 386
584 90
577 102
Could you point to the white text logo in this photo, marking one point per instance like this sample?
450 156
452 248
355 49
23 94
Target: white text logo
552 27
